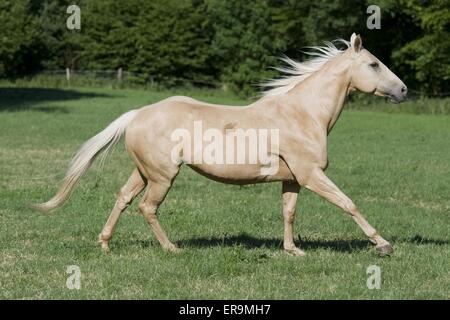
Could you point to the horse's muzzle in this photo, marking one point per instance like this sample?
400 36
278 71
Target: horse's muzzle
399 94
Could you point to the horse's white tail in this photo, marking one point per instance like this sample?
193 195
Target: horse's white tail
81 162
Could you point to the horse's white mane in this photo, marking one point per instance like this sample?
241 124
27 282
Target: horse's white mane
296 72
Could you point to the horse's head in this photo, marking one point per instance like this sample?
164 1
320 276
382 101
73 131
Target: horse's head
370 75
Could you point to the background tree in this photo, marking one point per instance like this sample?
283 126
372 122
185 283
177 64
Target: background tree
214 41
21 50
425 59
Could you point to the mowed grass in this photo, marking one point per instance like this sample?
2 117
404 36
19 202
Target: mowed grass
396 167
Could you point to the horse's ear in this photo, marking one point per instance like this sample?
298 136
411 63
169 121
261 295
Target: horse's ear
356 42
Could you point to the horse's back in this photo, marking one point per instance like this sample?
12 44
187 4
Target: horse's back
181 111
175 101
157 122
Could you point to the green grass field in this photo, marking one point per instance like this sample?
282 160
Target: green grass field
395 166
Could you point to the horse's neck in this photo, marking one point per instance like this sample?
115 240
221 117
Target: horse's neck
323 95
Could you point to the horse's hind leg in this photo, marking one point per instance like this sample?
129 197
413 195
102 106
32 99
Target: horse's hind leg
153 197
135 184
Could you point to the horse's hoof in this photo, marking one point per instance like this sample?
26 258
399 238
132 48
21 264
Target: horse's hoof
385 249
103 243
296 252
105 246
173 248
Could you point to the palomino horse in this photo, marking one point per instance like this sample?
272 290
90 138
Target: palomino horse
303 107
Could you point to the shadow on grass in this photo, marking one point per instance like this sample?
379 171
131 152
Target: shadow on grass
249 242
22 99
345 245
417 239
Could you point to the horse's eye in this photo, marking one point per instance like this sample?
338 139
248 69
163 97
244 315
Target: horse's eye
374 65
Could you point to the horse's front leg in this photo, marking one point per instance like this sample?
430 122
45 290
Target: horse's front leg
290 192
316 180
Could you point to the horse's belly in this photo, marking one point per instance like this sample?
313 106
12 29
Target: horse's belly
244 173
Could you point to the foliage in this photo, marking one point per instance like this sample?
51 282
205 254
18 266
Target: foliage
212 41
20 48
428 56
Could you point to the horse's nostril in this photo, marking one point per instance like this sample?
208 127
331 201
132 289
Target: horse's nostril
404 89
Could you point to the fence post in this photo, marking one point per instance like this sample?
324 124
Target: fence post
68 76
119 74
224 87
